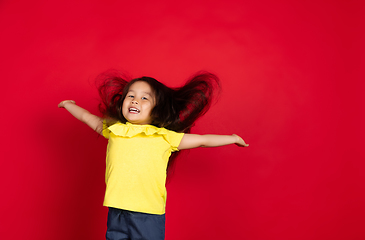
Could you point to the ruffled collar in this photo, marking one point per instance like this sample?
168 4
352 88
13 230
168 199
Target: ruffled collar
131 130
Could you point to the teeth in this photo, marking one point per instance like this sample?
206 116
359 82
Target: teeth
133 110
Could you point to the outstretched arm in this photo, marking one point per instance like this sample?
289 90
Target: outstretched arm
194 140
93 121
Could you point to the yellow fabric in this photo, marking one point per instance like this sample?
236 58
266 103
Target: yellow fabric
137 157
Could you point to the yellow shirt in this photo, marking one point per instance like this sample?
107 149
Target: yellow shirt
136 162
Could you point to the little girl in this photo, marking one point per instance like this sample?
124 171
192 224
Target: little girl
145 122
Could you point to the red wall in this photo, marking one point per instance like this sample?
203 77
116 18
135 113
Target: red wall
292 77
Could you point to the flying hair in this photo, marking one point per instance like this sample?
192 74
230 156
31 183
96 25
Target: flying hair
176 109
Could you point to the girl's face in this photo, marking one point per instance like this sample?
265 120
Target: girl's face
138 103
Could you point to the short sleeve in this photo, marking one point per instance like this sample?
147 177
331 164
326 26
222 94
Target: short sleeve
106 131
174 139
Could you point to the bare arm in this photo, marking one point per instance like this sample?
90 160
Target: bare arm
93 121
194 140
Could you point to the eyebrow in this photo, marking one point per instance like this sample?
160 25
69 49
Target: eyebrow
142 92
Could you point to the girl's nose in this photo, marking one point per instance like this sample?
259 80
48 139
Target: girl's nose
134 102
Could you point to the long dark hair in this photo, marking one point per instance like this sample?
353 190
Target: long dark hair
176 109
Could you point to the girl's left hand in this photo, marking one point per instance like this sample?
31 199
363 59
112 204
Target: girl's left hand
62 104
240 141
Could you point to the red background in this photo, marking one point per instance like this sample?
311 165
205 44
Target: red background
292 77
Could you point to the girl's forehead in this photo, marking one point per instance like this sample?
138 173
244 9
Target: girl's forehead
141 86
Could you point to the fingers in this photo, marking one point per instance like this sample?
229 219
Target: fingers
240 142
62 104
244 144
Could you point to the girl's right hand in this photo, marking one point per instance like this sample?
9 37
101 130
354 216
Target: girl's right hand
62 104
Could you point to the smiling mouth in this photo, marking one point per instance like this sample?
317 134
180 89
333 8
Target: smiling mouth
134 110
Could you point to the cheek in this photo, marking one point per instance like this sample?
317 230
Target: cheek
151 110
151 107
124 106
